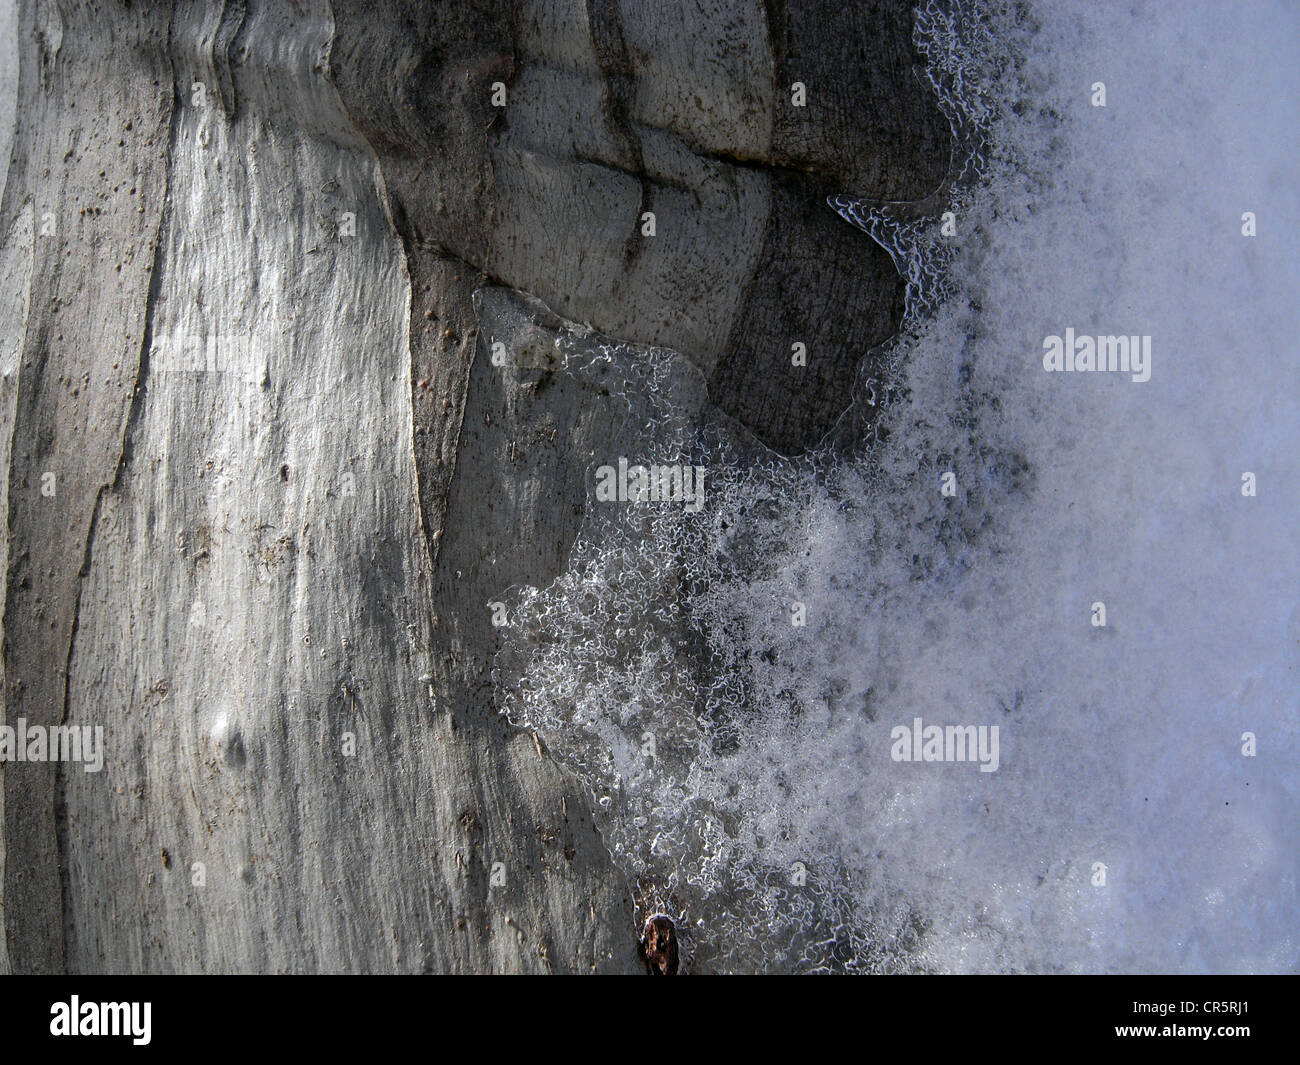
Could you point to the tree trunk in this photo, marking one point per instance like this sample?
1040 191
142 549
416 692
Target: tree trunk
265 478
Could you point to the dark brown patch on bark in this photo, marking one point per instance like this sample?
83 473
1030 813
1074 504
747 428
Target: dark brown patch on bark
659 948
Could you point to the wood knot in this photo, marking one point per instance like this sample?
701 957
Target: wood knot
659 946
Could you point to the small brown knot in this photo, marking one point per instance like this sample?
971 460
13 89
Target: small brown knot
659 946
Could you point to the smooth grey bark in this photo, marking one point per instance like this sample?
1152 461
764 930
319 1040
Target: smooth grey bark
254 255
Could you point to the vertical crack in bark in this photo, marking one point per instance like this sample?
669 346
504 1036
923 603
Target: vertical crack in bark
400 226
225 38
124 455
606 25
454 449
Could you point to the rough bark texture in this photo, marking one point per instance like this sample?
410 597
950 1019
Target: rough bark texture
254 257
